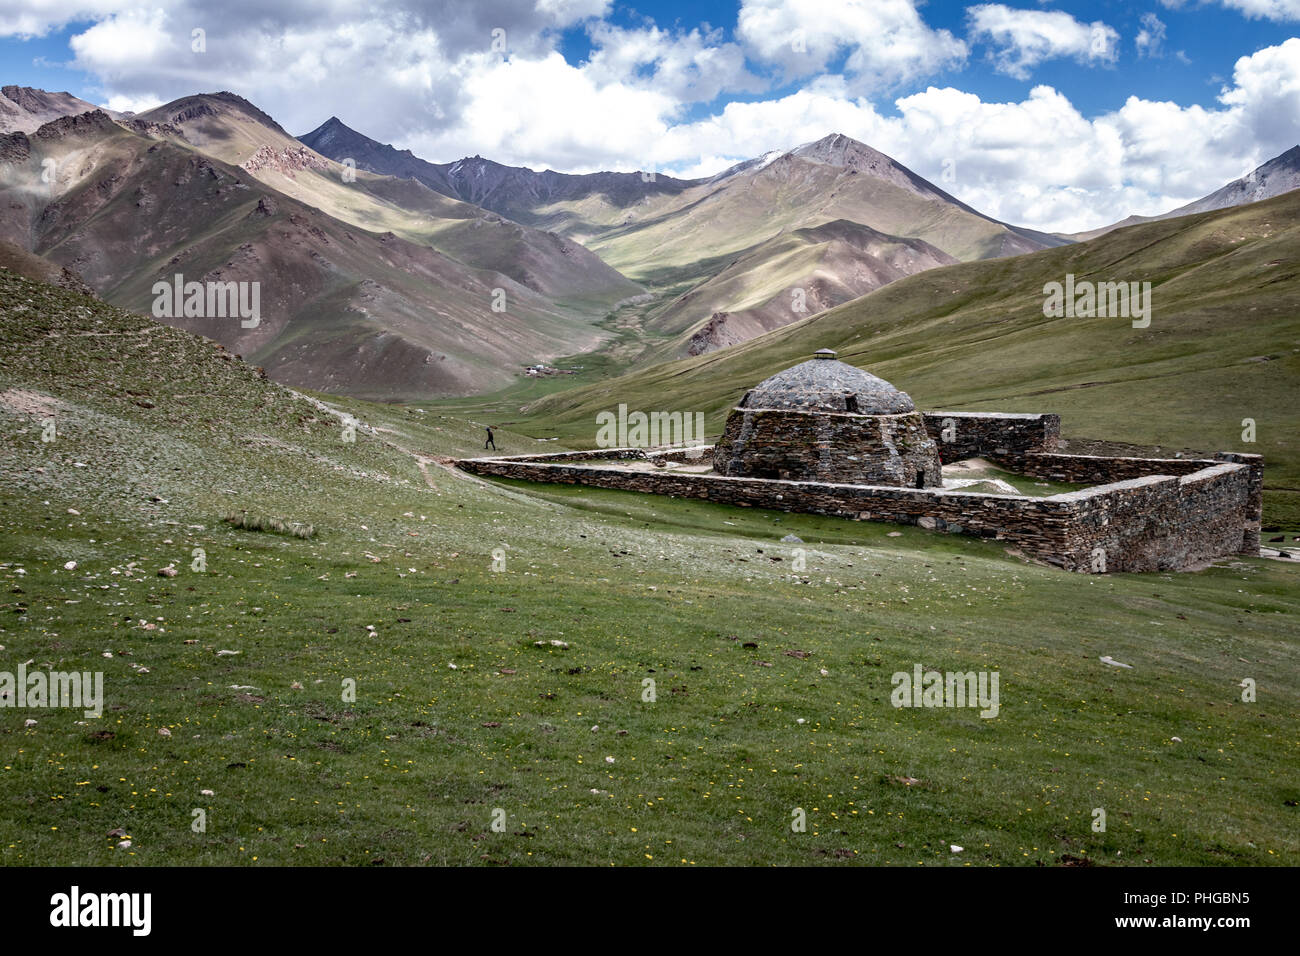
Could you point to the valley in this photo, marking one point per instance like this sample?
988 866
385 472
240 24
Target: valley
344 649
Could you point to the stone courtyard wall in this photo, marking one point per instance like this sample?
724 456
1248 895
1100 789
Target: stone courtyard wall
1161 522
1094 469
1154 522
983 434
1088 469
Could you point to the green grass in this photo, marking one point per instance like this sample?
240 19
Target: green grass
397 585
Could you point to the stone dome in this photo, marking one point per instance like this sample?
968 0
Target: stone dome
824 384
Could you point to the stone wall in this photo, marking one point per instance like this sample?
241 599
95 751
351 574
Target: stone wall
981 434
1255 499
1094 469
1160 522
792 445
615 454
1155 522
694 455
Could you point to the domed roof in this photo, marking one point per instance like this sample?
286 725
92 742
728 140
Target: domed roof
825 384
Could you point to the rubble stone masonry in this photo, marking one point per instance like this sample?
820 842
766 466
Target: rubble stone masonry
1150 515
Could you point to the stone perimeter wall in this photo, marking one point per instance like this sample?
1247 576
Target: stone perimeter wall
983 434
1156 522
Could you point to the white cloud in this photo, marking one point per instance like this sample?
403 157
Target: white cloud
134 104
886 41
1150 39
546 112
563 13
1266 9
33 18
1251 9
1026 38
124 40
694 66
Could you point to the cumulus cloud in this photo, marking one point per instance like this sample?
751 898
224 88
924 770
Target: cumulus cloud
35 18
886 41
1151 38
401 67
1025 38
694 66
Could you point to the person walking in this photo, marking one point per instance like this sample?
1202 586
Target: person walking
490 441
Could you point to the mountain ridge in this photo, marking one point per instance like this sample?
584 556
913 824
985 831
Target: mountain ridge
1277 176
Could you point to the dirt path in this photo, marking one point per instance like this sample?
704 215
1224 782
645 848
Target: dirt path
421 461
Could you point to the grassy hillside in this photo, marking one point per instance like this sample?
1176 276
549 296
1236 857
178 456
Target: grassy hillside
1223 344
224 687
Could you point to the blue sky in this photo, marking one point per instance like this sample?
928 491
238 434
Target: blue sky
1055 114
1209 37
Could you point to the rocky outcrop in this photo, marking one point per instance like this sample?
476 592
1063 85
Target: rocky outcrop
290 160
95 121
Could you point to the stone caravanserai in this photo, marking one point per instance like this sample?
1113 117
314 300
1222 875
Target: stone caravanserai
825 437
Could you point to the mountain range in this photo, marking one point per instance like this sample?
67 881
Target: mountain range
386 276
678 237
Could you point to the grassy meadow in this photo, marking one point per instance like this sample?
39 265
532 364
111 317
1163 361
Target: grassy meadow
498 637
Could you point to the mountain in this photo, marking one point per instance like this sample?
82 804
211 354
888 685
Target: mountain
1279 175
787 278
690 241
24 109
343 309
1223 344
588 201
229 128
833 178
18 260
694 245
